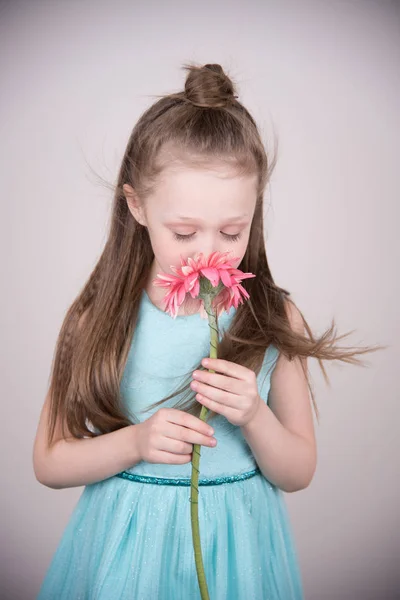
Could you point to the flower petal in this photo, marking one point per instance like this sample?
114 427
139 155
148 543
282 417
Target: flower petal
211 274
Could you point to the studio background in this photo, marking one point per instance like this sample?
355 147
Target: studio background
325 76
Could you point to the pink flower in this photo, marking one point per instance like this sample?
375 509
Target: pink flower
216 268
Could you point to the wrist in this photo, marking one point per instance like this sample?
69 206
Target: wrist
134 445
254 417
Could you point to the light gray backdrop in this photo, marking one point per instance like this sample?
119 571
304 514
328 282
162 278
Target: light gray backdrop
75 77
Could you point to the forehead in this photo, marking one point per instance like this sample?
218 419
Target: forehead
185 194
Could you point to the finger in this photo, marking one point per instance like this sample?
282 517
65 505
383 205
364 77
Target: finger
218 395
171 458
179 417
184 434
169 444
212 404
229 384
225 366
228 412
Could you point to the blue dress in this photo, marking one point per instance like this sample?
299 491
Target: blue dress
129 536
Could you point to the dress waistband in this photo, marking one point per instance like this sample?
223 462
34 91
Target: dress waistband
186 480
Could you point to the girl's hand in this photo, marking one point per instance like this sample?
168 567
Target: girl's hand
169 434
233 395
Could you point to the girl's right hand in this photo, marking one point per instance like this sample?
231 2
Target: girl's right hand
169 434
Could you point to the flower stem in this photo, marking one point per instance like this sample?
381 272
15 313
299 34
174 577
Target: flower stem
194 490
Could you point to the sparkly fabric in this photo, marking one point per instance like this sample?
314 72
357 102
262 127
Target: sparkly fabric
185 480
129 536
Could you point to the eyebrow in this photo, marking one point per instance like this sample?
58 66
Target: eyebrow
193 219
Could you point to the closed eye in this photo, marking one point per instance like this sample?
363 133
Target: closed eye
182 238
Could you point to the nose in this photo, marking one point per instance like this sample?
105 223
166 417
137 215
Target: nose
210 245
207 250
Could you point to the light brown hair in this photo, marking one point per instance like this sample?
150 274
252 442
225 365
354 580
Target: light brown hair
202 125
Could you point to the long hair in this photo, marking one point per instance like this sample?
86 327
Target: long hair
203 124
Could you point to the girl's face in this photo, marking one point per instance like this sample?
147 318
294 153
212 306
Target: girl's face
194 211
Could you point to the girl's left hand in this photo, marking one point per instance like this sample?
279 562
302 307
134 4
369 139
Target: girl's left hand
233 395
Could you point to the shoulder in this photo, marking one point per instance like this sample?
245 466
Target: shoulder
82 320
294 315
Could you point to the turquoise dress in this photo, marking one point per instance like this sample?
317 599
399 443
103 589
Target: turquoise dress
129 536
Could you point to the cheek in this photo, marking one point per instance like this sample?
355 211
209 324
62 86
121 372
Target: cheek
168 255
239 251
164 250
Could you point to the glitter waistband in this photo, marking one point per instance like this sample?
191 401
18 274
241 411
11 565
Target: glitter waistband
186 480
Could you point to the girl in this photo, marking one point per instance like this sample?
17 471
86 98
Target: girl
192 179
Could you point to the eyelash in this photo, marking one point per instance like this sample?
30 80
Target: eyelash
182 238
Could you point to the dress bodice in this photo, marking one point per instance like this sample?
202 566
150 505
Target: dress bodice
164 352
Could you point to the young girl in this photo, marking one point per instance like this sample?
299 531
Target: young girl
128 382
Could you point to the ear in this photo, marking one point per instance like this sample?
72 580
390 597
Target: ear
134 204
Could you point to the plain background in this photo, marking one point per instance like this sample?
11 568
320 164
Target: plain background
326 76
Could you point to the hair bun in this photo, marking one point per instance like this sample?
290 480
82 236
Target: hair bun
208 86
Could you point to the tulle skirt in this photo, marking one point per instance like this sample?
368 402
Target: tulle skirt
131 539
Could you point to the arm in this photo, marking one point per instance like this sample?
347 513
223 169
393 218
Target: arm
286 459
71 462
281 435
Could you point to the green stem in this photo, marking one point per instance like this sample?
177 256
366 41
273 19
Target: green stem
194 481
